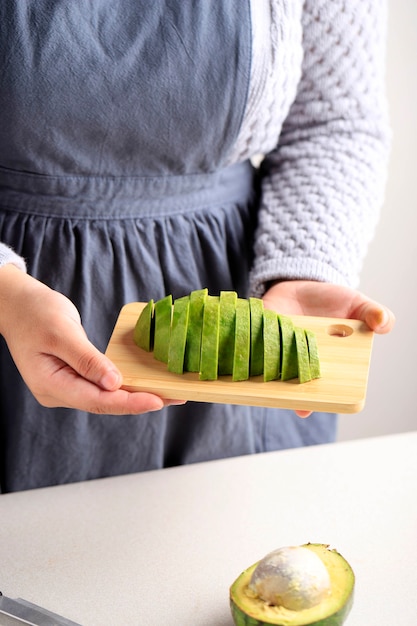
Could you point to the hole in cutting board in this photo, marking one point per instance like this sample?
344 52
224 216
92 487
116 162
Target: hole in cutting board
339 330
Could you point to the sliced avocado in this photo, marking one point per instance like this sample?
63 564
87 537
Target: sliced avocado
228 301
176 349
319 596
163 316
242 341
272 345
143 332
195 326
313 353
256 337
304 373
268 343
210 339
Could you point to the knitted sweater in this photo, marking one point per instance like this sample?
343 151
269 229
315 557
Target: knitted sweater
321 120
317 109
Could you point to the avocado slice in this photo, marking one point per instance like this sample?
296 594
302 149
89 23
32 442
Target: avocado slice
195 326
313 353
144 332
210 339
304 373
163 317
293 580
256 365
272 345
228 301
241 353
176 349
289 362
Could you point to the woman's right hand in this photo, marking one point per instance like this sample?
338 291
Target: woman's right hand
50 348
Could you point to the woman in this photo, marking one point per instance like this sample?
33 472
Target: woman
128 130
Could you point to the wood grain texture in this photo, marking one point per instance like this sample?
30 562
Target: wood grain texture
345 348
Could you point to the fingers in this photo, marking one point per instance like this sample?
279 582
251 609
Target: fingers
81 377
60 385
63 387
72 391
67 370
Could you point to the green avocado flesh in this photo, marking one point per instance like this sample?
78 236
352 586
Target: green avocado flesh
178 338
228 300
248 609
313 354
144 333
256 366
226 336
304 372
195 326
162 328
210 339
289 361
272 346
241 355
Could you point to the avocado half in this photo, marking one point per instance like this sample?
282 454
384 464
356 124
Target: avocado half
332 609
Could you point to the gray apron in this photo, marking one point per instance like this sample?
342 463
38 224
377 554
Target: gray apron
117 119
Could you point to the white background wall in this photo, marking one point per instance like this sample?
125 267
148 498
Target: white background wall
390 272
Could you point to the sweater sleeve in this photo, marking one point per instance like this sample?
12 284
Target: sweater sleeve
7 255
323 185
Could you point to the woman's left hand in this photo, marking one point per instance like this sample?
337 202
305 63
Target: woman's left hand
306 297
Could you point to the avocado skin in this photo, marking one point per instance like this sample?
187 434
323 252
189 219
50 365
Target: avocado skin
337 618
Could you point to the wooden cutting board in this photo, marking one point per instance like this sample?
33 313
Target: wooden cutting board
345 348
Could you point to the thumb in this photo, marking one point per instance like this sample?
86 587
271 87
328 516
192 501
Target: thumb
97 368
111 378
85 359
379 318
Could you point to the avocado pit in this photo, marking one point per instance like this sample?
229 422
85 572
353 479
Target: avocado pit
293 577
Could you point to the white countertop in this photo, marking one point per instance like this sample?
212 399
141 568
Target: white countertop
162 548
